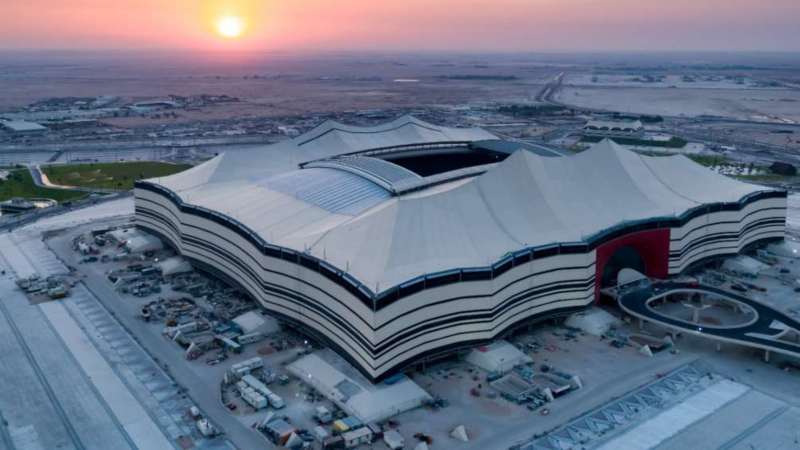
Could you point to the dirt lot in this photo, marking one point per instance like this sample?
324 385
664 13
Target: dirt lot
744 104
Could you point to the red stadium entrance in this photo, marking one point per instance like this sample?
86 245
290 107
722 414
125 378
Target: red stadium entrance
645 251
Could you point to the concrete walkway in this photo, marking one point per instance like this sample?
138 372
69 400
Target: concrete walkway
658 429
68 396
131 415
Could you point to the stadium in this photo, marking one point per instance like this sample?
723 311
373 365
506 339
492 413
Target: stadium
406 241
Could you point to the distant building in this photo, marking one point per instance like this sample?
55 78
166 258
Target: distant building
614 127
23 126
289 131
154 105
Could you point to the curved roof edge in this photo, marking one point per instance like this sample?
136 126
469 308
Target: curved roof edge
449 133
325 141
332 125
384 173
388 295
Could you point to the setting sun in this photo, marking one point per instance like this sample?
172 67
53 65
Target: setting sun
230 26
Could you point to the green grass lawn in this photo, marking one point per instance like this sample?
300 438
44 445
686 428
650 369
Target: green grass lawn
703 160
20 184
674 142
768 178
118 176
710 160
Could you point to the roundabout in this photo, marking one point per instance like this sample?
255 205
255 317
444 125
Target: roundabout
704 310
686 307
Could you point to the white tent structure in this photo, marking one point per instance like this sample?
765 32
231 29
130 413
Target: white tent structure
120 235
253 322
143 243
744 265
135 241
499 356
459 433
330 230
354 395
593 321
787 248
384 241
628 276
174 266
614 126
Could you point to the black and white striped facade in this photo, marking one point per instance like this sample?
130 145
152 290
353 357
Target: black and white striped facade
384 329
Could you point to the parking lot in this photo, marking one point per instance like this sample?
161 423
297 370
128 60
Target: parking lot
484 403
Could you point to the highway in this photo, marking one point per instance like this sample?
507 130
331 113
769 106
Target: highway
139 143
760 334
546 94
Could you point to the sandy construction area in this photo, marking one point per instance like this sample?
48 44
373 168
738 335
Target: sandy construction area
746 104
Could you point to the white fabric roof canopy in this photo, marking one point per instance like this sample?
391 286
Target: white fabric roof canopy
525 201
329 139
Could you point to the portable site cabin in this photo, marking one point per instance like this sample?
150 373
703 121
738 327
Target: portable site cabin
247 366
280 431
347 424
323 414
393 440
333 443
320 433
357 437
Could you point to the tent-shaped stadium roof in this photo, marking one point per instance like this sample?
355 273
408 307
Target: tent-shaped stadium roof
384 240
327 140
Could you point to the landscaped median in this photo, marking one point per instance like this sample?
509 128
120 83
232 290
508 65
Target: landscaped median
674 142
118 176
19 184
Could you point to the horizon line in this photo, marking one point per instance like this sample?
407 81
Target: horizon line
394 51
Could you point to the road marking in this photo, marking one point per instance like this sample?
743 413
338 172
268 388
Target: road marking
42 379
130 413
658 429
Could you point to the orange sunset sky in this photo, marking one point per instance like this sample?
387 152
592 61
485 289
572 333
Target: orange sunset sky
426 25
